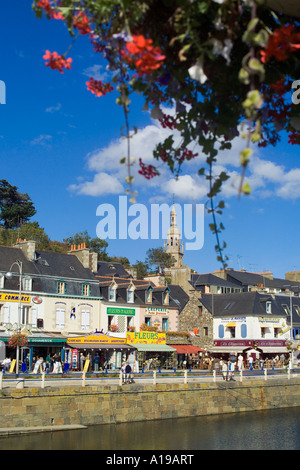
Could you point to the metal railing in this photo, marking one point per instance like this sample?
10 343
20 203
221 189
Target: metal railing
155 376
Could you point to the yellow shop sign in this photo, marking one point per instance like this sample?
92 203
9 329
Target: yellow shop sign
146 337
96 339
6 297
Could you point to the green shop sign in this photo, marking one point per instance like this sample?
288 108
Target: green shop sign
120 311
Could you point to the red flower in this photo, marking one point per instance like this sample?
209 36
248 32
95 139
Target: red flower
146 58
283 42
57 61
149 171
46 6
81 22
98 88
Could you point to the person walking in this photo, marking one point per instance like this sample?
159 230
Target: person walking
224 369
231 368
128 374
240 362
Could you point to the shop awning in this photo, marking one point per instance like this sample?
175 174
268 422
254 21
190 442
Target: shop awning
117 347
186 349
154 347
231 324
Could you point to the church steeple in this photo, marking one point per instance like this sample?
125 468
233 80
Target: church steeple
173 246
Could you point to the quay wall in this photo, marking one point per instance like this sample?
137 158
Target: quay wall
106 404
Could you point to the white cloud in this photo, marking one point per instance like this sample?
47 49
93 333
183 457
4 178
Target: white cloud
95 72
43 139
266 178
103 183
53 109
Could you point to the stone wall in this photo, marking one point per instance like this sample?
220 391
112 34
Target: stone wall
106 404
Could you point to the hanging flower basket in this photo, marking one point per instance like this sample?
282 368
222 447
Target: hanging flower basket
18 339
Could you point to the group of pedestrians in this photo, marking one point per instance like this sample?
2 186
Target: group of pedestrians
127 373
227 368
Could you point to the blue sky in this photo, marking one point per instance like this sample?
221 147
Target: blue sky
61 145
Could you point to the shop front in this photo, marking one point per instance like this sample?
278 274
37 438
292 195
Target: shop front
152 352
102 351
39 345
258 349
189 356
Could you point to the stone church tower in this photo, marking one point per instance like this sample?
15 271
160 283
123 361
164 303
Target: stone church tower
173 246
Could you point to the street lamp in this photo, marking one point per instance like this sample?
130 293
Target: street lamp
291 315
9 275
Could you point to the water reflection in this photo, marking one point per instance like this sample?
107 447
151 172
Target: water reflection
268 430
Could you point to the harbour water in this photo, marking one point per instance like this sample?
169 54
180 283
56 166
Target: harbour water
277 429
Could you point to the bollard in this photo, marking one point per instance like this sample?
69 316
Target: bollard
43 380
265 373
214 375
20 383
289 373
121 378
185 376
154 377
83 379
241 375
1 380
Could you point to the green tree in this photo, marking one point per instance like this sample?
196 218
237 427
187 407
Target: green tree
95 244
159 258
141 269
15 208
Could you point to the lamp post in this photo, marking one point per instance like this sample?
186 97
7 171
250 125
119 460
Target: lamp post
291 315
9 275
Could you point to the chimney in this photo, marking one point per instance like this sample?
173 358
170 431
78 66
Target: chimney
93 262
87 259
28 248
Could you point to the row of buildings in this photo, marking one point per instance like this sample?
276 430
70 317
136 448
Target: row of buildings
72 303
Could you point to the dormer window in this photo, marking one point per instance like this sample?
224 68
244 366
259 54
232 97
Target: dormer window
112 292
165 297
148 295
268 307
85 290
61 287
130 294
27 283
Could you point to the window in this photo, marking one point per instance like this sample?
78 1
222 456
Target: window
244 330
286 309
263 332
165 297
110 320
112 293
1 281
149 295
25 314
60 318
27 283
165 324
148 321
61 287
205 331
297 308
130 295
85 319
268 307
86 290
221 331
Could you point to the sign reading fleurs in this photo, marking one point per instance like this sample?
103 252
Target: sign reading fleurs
146 337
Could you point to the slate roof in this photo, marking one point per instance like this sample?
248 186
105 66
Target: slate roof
208 279
177 296
250 304
245 279
46 270
108 268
